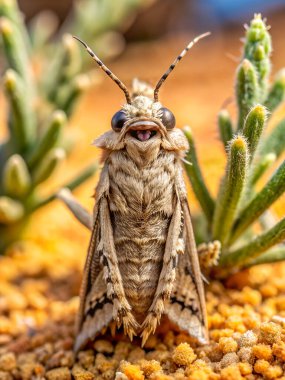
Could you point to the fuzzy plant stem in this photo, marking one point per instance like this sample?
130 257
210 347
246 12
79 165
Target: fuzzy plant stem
225 127
72 93
253 127
15 52
9 10
257 50
231 189
196 178
10 210
48 140
277 92
16 177
271 256
246 90
274 188
22 121
63 69
45 169
257 246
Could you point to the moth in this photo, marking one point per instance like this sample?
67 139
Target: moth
142 260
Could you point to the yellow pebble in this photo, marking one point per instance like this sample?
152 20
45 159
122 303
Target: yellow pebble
183 354
278 350
270 332
245 368
231 372
248 339
251 296
8 362
132 371
227 344
261 366
235 322
273 372
229 359
268 290
219 333
262 351
150 366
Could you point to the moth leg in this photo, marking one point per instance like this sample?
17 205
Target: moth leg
166 278
81 214
121 308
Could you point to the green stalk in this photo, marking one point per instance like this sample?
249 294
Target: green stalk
49 139
253 127
277 92
257 50
272 256
10 10
257 246
65 66
70 93
44 170
231 189
15 51
22 121
225 127
10 210
274 188
246 90
16 177
196 178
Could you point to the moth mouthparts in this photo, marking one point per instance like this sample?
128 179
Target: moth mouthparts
143 130
143 135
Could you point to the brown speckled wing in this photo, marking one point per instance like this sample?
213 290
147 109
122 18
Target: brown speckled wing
95 311
186 307
102 296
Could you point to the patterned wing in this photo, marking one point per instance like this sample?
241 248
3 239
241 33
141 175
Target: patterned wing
95 311
102 296
186 307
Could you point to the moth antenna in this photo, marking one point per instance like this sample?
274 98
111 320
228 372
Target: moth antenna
172 66
107 71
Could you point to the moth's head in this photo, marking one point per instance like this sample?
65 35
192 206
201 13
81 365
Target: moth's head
143 124
143 118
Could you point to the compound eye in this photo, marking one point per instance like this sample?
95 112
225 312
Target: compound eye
167 118
118 121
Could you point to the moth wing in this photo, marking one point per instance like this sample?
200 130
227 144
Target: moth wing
186 307
95 310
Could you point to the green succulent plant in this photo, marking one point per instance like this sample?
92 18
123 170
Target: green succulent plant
42 83
239 217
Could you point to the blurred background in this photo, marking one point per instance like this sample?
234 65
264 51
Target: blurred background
168 16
